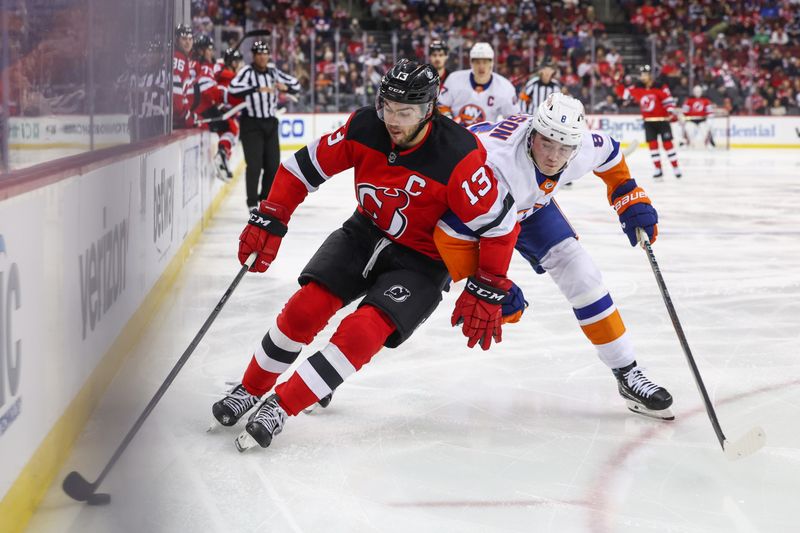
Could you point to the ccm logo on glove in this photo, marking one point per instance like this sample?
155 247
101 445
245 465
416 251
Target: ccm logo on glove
485 292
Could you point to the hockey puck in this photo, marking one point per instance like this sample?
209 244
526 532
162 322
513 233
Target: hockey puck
100 498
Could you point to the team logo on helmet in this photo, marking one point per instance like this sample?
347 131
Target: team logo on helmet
384 205
471 114
398 293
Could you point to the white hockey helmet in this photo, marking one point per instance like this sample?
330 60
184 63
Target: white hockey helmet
697 91
561 118
481 50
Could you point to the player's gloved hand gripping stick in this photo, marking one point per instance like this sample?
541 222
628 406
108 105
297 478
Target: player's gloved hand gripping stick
479 308
79 488
748 443
263 234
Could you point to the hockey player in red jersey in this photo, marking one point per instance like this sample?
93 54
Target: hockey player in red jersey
232 61
697 111
658 110
209 98
411 165
181 75
437 55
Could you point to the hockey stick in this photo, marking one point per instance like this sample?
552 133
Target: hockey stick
748 443
225 116
75 485
252 33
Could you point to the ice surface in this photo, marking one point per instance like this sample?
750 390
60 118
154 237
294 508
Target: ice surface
531 436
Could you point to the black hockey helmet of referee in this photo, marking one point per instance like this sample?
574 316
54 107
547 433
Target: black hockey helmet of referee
406 100
260 47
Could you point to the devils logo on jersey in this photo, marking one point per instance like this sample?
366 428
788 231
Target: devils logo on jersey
647 103
385 206
471 114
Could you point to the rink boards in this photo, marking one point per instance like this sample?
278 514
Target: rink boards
297 130
84 260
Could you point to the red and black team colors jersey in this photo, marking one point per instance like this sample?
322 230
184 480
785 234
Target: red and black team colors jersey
405 193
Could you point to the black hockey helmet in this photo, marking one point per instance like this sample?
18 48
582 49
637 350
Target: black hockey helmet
438 45
410 82
183 30
260 47
232 55
645 69
203 42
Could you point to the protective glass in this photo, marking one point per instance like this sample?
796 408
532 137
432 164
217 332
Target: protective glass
402 114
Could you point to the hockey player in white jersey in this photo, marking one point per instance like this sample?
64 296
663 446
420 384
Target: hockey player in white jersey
478 94
534 156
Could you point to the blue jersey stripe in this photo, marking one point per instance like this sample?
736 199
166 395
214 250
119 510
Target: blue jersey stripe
614 152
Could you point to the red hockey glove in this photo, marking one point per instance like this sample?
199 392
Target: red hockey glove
478 309
263 234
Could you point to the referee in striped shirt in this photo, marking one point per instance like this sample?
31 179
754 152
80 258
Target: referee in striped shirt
538 89
259 84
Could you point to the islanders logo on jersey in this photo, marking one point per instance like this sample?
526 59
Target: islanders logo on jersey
471 114
384 205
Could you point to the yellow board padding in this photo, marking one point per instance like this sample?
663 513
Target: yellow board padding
38 474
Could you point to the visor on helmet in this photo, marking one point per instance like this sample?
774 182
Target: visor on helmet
402 114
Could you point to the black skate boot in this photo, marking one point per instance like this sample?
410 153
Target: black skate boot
324 402
265 422
642 395
233 406
223 171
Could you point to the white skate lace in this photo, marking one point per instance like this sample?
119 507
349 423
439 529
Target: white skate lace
239 400
271 416
639 383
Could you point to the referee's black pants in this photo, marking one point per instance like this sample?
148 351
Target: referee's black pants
262 151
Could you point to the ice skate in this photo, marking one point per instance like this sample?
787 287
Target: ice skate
324 402
232 407
265 422
642 395
658 175
221 160
678 173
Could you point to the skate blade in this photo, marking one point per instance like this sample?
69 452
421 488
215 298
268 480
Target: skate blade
311 408
245 441
663 414
747 444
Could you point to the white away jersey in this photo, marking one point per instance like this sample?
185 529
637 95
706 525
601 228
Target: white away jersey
509 157
470 103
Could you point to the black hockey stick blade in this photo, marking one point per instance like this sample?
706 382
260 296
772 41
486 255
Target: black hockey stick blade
77 488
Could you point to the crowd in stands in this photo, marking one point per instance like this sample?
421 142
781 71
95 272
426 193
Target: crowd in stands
745 53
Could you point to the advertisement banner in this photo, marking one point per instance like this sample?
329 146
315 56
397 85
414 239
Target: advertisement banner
77 260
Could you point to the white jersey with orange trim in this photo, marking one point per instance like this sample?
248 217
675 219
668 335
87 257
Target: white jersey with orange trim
470 103
565 261
509 156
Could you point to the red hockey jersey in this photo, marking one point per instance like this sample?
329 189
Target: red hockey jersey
698 108
406 192
181 83
656 103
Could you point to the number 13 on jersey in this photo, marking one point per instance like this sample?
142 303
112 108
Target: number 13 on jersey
481 181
